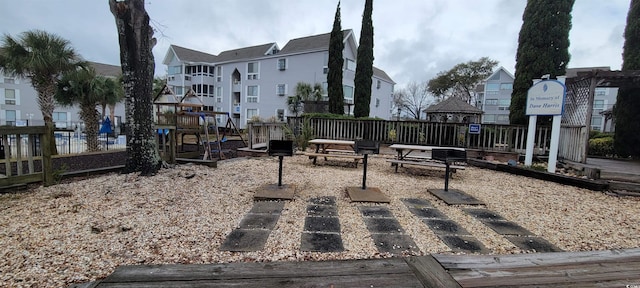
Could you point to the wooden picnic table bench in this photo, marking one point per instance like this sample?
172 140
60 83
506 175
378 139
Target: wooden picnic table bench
329 148
419 155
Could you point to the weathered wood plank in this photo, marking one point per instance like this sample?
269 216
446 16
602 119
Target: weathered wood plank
364 281
329 155
547 275
351 268
425 163
525 260
430 272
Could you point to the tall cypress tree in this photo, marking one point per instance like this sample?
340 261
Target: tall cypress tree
627 108
543 48
364 64
334 77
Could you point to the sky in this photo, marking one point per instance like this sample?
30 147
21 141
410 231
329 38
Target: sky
413 39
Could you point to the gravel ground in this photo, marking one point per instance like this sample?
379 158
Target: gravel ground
82 230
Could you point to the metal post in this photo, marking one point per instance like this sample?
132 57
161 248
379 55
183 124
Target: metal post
364 175
446 176
280 171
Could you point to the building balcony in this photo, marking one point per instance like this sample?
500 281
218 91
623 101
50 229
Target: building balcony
237 86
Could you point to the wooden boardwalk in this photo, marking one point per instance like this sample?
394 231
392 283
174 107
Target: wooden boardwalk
610 268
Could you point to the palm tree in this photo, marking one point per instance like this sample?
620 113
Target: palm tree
112 93
42 58
84 88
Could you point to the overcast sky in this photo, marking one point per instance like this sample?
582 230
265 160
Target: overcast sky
413 39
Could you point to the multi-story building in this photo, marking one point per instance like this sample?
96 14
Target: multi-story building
256 81
494 98
19 102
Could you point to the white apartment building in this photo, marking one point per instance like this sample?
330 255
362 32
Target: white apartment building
19 102
257 80
494 98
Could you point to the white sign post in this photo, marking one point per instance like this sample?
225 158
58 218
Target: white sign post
545 97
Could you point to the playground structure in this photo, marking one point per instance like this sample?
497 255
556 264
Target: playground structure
184 132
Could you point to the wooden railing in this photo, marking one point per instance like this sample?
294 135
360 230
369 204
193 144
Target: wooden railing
261 133
492 137
26 155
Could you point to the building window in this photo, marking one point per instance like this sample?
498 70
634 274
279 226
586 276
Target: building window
348 93
60 119
10 117
178 90
281 89
253 70
280 114
493 87
601 92
377 84
502 118
377 102
9 96
489 118
598 104
350 64
282 64
503 104
252 114
9 80
219 94
219 74
174 70
325 68
506 86
490 102
252 94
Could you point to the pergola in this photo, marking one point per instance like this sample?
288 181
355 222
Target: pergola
578 108
453 110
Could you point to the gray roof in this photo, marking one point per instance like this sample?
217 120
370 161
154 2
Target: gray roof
310 43
573 72
245 53
106 69
382 75
189 55
453 105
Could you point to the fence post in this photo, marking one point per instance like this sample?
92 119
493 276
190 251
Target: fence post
46 141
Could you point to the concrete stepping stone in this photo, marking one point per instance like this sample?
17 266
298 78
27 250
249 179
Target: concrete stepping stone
445 227
467 244
516 234
254 228
507 228
450 232
483 214
386 232
455 197
537 244
321 226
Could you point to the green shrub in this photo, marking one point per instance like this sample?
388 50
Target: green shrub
601 146
593 134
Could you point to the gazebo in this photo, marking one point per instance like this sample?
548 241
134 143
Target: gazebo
453 110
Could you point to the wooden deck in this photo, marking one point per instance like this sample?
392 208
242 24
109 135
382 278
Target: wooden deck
610 268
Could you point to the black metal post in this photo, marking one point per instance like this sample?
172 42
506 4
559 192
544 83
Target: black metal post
446 176
280 170
364 174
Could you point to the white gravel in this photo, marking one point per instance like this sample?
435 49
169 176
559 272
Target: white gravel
82 230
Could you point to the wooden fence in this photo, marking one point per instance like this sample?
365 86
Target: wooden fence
26 155
492 137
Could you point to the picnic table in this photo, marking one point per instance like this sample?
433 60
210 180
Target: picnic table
419 155
333 148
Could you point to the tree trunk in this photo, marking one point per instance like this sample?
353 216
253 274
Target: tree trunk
136 41
89 115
